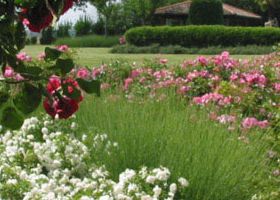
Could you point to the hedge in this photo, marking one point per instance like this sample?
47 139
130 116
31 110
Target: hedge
202 36
176 49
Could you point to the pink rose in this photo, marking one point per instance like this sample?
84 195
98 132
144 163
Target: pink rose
127 83
202 60
163 61
9 72
62 48
83 73
277 87
24 57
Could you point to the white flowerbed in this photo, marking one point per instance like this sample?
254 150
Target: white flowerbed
43 160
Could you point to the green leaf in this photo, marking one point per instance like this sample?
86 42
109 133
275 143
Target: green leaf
52 54
20 36
4 97
74 93
1 56
91 87
11 118
65 65
30 72
29 99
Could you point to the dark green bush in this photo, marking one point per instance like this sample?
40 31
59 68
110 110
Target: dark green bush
89 41
203 36
33 40
83 26
98 27
47 36
63 30
206 12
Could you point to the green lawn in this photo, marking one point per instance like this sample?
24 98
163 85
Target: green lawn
96 56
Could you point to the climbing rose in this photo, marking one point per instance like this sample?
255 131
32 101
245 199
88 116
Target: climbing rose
59 104
54 84
40 17
64 107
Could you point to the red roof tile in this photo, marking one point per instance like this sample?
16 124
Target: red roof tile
184 7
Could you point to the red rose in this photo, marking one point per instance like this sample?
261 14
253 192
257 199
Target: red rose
35 20
40 16
64 107
67 5
54 84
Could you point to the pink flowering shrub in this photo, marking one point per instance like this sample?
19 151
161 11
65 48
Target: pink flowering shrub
244 93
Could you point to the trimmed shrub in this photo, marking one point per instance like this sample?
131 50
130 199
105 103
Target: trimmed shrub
89 41
206 12
203 36
83 26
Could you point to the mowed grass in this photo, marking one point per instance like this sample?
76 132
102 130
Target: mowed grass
96 56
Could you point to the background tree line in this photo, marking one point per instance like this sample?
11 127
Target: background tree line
116 16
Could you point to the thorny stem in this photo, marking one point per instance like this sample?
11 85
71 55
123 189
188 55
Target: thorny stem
13 81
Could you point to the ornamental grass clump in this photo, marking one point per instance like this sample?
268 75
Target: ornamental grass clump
218 164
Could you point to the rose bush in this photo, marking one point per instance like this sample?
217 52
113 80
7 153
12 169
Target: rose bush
26 81
244 90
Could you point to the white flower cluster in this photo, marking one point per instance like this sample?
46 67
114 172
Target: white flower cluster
147 185
41 161
101 142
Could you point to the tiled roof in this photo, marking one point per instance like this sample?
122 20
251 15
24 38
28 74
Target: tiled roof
183 8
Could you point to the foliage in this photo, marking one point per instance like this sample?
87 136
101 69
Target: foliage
32 41
117 24
105 9
47 36
142 11
272 7
25 81
83 26
177 49
63 30
89 41
44 161
166 132
202 36
242 94
206 12
98 27
118 16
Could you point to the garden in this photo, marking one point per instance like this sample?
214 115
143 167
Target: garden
151 127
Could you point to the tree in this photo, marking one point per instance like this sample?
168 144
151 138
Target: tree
204 12
273 8
105 9
142 10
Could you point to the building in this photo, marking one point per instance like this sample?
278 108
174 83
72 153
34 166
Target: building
177 14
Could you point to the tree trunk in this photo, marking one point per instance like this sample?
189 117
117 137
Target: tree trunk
105 26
